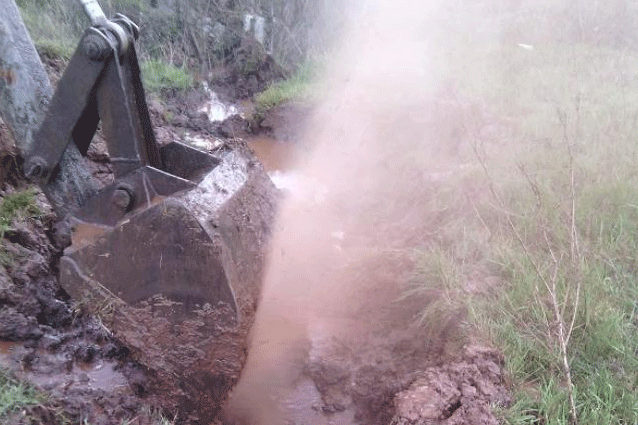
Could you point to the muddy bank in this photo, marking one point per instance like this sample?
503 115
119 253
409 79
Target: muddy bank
461 392
51 343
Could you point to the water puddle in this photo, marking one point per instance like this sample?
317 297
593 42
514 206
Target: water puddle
279 160
96 376
278 157
274 154
301 407
101 376
58 373
53 372
8 347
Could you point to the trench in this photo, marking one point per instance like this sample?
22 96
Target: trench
301 402
334 341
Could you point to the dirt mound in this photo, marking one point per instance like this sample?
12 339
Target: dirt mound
286 121
462 392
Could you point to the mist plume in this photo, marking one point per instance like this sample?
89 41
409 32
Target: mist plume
370 134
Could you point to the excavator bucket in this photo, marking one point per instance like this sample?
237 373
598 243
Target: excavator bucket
178 279
169 255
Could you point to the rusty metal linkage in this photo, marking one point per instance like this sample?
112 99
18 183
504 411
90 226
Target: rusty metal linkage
102 83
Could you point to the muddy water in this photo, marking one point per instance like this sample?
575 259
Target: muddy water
280 160
274 154
56 372
8 347
97 376
301 406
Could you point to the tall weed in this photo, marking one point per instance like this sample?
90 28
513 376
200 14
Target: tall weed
556 224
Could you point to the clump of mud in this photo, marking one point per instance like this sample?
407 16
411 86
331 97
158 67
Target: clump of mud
248 70
460 392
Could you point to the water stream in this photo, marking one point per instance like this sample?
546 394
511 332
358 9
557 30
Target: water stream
215 109
278 157
302 403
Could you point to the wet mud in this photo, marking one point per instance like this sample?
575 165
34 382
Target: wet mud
49 342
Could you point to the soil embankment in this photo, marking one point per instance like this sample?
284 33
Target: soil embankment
46 338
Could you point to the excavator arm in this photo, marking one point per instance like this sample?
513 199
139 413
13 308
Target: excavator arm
170 254
102 83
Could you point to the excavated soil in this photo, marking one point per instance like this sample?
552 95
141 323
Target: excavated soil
379 368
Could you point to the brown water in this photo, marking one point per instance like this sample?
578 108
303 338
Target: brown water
99 375
301 406
7 347
274 154
51 372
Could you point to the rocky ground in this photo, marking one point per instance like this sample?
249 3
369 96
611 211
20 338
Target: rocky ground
386 375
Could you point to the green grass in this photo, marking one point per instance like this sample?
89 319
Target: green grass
572 102
15 395
298 87
564 110
55 49
17 205
54 28
158 75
